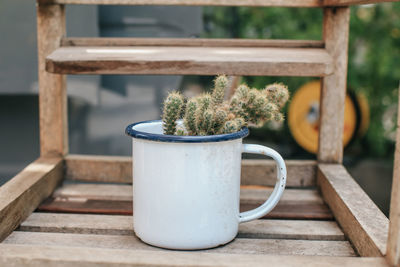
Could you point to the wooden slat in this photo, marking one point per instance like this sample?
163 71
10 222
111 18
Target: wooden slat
190 60
123 225
117 199
52 88
361 220
254 172
353 2
333 93
23 193
266 3
196 42
300 173
98 168
125 193
239 245
393 245
44 256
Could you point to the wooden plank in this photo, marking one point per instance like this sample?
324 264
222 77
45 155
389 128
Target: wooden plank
197 42
112 169
254 172
239 245
393 244
354 2
120 207
248 194
169 60
44 256
360 219
23 193
300 173
265 3
117 200
52 88
122 225
333 92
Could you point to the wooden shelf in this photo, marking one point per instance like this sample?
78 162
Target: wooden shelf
89 218
190 60
266 3
98 226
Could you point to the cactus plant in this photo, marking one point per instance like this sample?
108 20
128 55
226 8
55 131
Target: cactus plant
209 114
172 110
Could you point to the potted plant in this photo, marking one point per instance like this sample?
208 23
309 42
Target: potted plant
186 167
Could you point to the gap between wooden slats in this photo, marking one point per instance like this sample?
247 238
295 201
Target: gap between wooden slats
199 42
117 200
123 225
239 245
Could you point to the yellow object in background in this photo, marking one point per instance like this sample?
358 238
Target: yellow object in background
303 117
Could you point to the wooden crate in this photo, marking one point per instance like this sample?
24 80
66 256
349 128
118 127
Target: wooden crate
56 213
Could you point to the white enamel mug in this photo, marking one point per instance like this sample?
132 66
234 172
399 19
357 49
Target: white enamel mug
186 189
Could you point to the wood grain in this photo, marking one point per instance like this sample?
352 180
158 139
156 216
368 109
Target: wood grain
333 92
190 60
239 245
123 225
248 194
360 219
196 42
266 3
393 243
301 173
24 192
52 88
45 256
112 169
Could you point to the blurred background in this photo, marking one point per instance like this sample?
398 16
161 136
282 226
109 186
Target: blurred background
101 106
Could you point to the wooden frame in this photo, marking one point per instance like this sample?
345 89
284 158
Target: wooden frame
52 87
23 193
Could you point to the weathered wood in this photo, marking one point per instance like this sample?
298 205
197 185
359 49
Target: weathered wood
196 42
239 245
52 88
117 199
23 193
393 244
333 92
122 225
353 2
266 3
248 194
190 60
254 172
98 168
45 256
360 219
300 173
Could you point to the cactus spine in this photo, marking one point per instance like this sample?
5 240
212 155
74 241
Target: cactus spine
209 114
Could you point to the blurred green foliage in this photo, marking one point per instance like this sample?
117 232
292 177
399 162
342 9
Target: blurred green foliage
374 55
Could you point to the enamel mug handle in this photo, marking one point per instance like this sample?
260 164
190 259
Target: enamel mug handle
279 186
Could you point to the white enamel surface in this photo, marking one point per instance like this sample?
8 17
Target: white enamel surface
186 195
276 195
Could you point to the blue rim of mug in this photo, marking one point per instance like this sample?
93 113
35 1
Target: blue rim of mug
183 139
